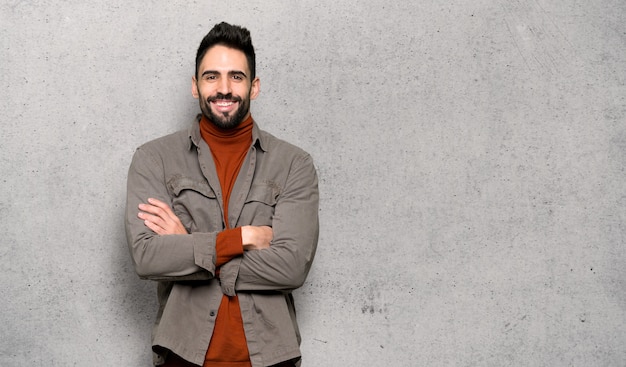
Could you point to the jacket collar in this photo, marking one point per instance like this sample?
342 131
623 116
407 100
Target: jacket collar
195 137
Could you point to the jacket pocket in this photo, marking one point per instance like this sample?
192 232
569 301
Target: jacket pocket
258 209
177 184
195 203
266 193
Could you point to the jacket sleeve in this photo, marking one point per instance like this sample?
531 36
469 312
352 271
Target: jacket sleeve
285 264
168 257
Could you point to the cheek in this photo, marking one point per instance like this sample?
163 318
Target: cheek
205 91
244 93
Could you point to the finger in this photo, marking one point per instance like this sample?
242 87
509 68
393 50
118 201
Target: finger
165 214
154 227
163 206
149 208
157 202
154 219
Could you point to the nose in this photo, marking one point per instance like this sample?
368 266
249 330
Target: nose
224 86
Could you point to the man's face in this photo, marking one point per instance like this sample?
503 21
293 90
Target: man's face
223 86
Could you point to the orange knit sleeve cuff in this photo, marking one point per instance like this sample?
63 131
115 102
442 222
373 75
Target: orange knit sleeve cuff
228 246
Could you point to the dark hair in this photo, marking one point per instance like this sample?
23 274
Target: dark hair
231 36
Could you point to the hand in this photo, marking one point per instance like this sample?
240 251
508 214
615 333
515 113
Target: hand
256 237
158 216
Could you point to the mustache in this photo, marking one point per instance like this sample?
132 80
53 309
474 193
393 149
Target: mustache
220 96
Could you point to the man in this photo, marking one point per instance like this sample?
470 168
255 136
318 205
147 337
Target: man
224 216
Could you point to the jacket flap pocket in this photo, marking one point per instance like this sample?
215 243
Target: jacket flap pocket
178 184
266 193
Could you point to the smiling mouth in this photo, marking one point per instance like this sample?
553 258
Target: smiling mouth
224 103
224 106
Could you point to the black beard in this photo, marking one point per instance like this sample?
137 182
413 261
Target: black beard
226 121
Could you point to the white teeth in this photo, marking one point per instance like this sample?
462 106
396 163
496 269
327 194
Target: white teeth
224 104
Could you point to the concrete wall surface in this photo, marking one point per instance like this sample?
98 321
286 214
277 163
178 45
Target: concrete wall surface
471 157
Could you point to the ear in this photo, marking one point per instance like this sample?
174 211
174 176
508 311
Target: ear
194 87
255 88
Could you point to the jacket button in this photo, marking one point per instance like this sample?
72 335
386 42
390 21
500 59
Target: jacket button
212 313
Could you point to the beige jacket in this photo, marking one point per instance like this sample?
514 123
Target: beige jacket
276 186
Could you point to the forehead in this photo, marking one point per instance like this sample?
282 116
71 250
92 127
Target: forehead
222 58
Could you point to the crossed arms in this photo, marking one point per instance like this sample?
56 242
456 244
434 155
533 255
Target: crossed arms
277 254
160 218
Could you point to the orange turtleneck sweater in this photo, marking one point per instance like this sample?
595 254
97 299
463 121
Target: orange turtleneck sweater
229 147
228 347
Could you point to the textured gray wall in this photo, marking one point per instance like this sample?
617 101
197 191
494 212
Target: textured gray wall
471 159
